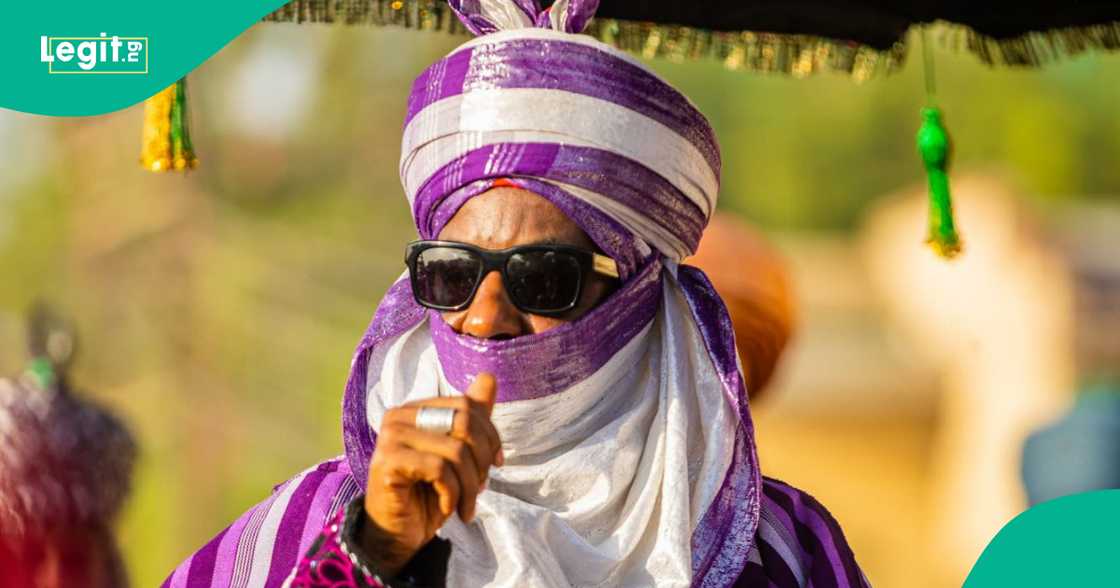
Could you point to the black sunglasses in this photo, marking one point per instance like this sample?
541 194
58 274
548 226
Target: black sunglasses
540 279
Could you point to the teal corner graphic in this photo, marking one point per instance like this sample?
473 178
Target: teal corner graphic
1068 541
146 45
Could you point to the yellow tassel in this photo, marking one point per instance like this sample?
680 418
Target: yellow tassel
166 138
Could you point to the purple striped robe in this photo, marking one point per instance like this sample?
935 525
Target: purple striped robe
797 544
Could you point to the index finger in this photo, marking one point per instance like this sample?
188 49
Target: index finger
484 390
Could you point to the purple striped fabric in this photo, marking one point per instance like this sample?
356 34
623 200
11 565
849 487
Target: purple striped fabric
564 67
808 530
628 182
735 512
201 569
241 551
803 527
550 362
629 252
819 535
286 548
396 314
482 18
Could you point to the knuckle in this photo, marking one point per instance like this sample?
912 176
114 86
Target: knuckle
464 419
385 449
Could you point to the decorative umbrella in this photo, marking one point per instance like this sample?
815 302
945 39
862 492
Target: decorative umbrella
859 38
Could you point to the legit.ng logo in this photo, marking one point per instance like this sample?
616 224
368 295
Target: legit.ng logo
94 55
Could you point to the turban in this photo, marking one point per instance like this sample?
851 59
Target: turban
630 457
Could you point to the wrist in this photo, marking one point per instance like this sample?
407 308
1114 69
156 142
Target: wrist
382 549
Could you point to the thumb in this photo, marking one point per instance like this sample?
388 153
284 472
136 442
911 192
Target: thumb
484 390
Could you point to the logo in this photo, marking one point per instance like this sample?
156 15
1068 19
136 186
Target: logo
94 55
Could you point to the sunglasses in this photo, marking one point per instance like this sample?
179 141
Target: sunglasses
539 279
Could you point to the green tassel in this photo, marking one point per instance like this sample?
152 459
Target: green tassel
934 147
181 149
41 371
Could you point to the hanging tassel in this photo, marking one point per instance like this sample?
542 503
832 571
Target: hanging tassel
167 139
935 148
933 145
40 371
50 341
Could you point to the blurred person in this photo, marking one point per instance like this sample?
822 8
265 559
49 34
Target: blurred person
1080 451
65 470
548 397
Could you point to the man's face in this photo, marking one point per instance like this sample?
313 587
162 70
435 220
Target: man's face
508 217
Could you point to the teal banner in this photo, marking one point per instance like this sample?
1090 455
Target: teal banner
71 58
1069 541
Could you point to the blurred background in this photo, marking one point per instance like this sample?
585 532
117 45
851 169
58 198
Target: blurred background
217 311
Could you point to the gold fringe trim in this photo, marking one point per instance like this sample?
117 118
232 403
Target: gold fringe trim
797 55
425 15
1035 48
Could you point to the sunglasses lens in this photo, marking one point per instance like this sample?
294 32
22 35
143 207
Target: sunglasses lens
543 281
445 277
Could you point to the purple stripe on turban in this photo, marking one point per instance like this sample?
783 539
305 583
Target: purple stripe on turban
567 67
627 182
483 17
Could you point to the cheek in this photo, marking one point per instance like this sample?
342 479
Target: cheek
541 324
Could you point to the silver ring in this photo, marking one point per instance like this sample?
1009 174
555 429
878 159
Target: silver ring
435 419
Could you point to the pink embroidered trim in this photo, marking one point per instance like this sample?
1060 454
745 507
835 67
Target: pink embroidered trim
328 564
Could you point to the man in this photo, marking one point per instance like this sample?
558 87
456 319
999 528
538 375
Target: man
549 398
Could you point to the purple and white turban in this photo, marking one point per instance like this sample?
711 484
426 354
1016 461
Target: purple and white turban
630 457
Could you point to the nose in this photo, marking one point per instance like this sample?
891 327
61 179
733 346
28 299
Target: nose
491 315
